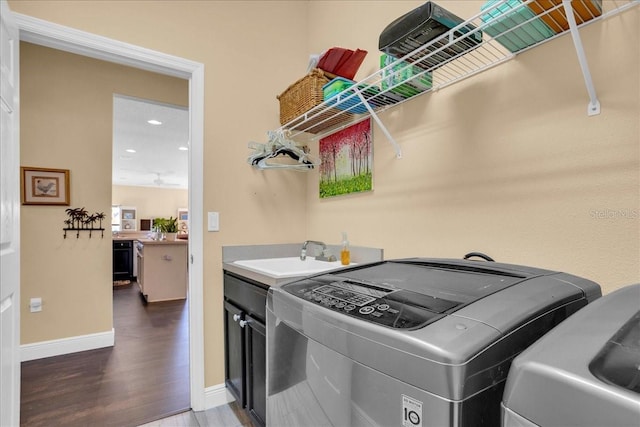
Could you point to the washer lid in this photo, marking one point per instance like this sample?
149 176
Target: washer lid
405 294
461 283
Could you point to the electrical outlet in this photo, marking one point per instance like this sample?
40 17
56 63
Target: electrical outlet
35 305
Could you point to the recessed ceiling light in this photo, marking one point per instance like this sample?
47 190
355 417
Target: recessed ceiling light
154 122
183 148
130 150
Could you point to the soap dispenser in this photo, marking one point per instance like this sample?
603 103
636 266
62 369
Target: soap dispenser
345 254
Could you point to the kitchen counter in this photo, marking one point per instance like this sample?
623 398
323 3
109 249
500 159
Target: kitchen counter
147 241
162 269
129 235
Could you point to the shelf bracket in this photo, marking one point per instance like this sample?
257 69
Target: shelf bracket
594 105
384 129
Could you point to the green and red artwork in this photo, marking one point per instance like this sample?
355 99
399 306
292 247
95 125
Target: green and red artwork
347 159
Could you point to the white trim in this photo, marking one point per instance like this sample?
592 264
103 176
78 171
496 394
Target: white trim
79 42
217 395
196 233
45 33
42 349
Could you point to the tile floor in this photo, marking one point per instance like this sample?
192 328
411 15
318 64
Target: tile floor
221 416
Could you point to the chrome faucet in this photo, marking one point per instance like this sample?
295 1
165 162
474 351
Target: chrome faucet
326 256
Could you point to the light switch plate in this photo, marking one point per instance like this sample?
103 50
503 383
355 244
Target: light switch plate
35 305
213 221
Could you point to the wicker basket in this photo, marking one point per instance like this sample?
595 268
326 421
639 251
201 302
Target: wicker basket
301 97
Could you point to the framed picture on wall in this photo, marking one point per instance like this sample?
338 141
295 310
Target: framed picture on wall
43 186
347 161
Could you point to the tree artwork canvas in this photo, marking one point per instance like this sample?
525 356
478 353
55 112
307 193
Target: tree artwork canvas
347 159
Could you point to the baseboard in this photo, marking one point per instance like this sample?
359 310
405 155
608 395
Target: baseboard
217 395
40 350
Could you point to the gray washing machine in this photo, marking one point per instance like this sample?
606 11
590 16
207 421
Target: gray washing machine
413 342
584 373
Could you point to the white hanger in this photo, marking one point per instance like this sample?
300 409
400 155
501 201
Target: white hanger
264 154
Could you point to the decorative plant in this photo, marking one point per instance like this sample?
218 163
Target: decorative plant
158 225
166 225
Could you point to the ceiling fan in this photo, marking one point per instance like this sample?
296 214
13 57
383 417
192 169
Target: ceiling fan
161 182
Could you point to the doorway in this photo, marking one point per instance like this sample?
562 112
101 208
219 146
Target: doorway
150 177
67 39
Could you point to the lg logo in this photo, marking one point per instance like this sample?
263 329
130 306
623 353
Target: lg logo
412 417
411 412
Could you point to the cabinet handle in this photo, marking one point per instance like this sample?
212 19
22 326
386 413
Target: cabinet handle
244 323
236 317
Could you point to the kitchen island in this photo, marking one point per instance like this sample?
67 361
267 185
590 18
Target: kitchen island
162 269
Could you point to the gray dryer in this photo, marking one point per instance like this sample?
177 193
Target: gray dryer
584 373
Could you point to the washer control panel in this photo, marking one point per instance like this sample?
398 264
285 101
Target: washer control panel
389 307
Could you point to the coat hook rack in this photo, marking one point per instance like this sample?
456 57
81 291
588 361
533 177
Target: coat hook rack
80 220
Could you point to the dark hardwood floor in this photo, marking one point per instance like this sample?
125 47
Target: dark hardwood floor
144 377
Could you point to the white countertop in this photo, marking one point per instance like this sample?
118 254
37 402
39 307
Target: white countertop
359 255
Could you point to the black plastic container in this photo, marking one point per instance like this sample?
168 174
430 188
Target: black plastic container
428 25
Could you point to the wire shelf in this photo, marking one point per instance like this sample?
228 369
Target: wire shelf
495 35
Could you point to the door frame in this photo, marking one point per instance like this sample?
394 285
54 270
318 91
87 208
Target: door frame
48 34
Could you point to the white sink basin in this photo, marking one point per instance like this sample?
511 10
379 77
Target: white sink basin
288 267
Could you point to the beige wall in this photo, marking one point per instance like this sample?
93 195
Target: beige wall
251 51
506 162
151 202
66 112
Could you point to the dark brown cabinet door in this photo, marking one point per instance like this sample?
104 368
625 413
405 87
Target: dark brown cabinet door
246 345
234 357
122 260
256 370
